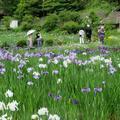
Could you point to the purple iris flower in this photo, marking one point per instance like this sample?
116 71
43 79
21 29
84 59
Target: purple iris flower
50 94
57 97
85 90
97 89
45 73
55 72
74 101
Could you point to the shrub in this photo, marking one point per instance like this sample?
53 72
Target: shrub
37 24
21 43
51 22
17 30
60 42
71 27
29 22
86 20
69 15
6 22
109 27
26 26
95 20
49 42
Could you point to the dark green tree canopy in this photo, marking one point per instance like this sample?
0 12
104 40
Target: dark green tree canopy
43 7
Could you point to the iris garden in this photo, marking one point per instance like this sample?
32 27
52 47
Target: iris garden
80 84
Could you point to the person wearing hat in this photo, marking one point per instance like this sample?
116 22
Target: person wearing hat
30 38
88 32
30 41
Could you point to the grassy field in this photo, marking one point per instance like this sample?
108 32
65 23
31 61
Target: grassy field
112 38
80 84
13 37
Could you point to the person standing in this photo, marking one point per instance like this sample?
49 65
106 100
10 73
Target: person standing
81 35
30 41
88 32
30 38
101 34
39 39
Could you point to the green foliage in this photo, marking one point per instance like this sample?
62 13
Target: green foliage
51 22
6 22
32 7
109 27
54 21
8 6
5 45
69 15
21 43
37 24
49 42
29 22
95 20
86 20
71 27
51 6
20 11
35 42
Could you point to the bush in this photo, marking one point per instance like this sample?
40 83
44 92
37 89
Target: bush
95 20
6 22
60 42
51 22
109 27
86 20
69 15
49 42
17 30
37 24
21 43
26 26
29 22
71 27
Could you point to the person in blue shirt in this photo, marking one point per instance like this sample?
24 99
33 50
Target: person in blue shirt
39 40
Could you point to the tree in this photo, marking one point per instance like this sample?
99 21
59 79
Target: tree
8 6
32 7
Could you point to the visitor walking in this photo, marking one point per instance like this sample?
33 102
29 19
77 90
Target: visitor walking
101 34
81 35
88 32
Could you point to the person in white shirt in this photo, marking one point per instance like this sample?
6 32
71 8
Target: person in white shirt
82 35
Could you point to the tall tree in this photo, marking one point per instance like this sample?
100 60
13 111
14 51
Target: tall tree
8 6
32 7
